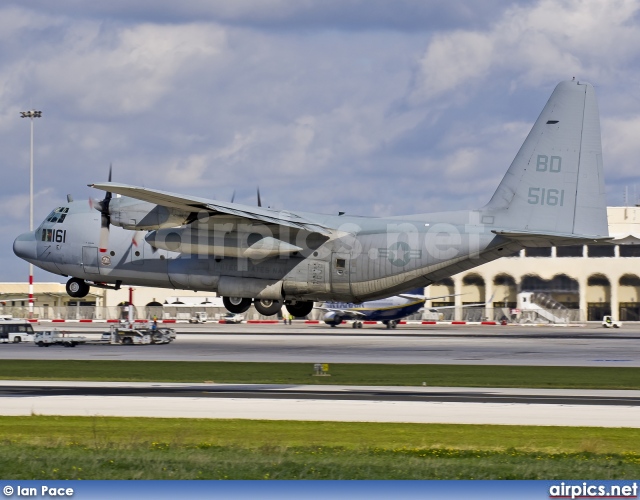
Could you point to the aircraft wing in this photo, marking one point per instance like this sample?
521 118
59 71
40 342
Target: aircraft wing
476 304
193 204
534 239
436 309
345 313
413 296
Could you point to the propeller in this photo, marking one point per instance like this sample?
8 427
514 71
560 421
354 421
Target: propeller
102 206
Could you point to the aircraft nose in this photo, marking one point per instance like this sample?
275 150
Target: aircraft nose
25 246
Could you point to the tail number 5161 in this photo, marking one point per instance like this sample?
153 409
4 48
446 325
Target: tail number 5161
544 196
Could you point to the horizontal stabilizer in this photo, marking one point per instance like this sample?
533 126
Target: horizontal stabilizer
549 239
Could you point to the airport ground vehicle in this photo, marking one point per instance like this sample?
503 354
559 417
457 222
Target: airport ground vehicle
15 331
199 317
159 335
126 336
607 322
232 318
142 336
55 337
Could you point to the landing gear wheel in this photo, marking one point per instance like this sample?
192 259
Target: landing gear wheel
300 309
267 307
77 288
393 324
359 324
236 305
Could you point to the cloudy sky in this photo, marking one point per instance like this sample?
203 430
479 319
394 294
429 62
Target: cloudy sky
373 107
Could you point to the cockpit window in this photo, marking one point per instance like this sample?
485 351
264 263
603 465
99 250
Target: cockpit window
58 215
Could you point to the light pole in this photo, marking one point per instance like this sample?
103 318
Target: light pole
31 114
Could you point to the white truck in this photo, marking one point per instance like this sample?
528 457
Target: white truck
55 337
15 330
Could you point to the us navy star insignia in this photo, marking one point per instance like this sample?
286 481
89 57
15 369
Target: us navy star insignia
399 253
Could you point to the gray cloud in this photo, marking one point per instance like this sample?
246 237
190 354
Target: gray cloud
299 15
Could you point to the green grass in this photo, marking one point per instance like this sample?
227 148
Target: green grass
343 374
42 448
39 447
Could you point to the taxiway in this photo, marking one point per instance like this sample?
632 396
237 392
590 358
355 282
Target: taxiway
486 345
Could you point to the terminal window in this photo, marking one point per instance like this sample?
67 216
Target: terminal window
569 251
538 252
629 250
601 250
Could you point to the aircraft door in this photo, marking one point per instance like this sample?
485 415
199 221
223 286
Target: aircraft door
341 272
90 260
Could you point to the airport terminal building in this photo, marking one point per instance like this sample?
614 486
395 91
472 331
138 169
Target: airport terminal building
581 283
574 283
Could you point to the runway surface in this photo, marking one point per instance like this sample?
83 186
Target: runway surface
336 403
409 344
486 345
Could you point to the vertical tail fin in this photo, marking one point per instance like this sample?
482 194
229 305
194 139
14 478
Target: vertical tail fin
555 183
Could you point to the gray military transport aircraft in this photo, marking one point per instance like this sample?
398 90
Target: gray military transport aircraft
552 194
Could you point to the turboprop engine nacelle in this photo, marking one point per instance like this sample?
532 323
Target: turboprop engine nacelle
220 243
138 215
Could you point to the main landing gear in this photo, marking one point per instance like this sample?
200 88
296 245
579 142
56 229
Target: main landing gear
356 324
236 305
77 288
266 307
390 324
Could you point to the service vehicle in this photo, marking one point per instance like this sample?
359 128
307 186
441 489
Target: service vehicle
231 318
55 337
126 336
608 322
199 317
160 335
15 331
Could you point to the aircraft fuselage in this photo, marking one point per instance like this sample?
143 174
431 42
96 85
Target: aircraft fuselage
364 258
